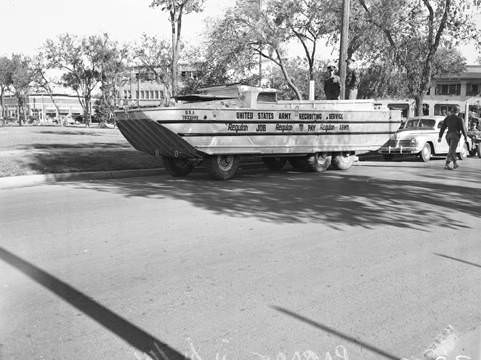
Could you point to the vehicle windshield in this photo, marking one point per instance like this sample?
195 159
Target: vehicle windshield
419 124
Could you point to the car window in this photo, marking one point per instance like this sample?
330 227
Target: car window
427 123
413 123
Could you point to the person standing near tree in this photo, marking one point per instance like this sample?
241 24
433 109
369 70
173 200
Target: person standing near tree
455 125
332 85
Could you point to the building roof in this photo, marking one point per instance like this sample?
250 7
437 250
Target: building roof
471 72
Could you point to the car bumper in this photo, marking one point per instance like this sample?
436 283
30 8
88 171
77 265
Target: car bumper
399 150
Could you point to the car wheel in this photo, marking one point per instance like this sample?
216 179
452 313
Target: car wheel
343 162
426 153
222 167
388 157
478 150
177 167
319 162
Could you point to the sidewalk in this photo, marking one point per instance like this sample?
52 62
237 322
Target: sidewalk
9 182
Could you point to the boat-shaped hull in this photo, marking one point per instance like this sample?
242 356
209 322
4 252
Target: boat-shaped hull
308 133
191 132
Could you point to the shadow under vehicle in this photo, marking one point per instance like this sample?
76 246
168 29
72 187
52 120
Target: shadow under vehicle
225 123
419 136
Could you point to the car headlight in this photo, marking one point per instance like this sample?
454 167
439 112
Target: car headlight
413 142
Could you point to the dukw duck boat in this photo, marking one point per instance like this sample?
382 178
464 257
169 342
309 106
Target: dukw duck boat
218 127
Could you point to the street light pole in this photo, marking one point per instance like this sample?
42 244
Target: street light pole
346 5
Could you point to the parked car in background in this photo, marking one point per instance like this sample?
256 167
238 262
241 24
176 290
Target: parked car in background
419 136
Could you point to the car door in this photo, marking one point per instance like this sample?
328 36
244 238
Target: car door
442 147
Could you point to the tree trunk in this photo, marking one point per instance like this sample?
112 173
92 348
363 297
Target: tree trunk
2 105
419 104
87 112
174 55
288 78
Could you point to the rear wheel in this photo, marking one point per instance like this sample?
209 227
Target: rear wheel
274 163
222 167
343 162
319 162
478 150
426 153
177 167
388 157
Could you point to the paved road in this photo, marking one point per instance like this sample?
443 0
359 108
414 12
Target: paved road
369 263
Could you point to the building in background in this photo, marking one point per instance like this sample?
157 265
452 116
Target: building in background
140 86
43 108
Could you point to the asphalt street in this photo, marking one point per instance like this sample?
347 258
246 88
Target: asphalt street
369 263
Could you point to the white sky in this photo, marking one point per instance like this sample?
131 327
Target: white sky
26 24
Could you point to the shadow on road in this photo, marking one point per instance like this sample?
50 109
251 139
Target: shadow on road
130 333
70 132
456 259
338 333
333 198
60 146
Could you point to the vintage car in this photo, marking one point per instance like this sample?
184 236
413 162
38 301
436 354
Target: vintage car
419 136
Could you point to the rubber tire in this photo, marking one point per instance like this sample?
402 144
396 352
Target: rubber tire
274 163
478 150
178 167
319 162
342 162
464 153
388 157
426 153
222 167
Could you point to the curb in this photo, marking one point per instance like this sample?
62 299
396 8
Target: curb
39 179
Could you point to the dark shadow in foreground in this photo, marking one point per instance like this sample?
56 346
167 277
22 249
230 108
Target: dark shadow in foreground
333 198
456 259
132 334
338 334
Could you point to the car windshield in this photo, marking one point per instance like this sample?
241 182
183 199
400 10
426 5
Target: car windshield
420 124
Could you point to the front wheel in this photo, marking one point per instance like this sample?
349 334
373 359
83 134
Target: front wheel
319 162
426 153
177 167
343 162
222 167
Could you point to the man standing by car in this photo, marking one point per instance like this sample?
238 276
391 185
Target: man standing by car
455 125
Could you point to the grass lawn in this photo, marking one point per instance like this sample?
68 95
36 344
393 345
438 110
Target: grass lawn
41 149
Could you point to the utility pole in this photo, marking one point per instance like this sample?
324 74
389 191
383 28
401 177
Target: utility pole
260 56
346 5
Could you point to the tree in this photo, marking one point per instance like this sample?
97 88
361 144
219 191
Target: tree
113 61
413 32
6 72
154 55
82 62
177 9
308 22
379 80
249 31
41 79
22 79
